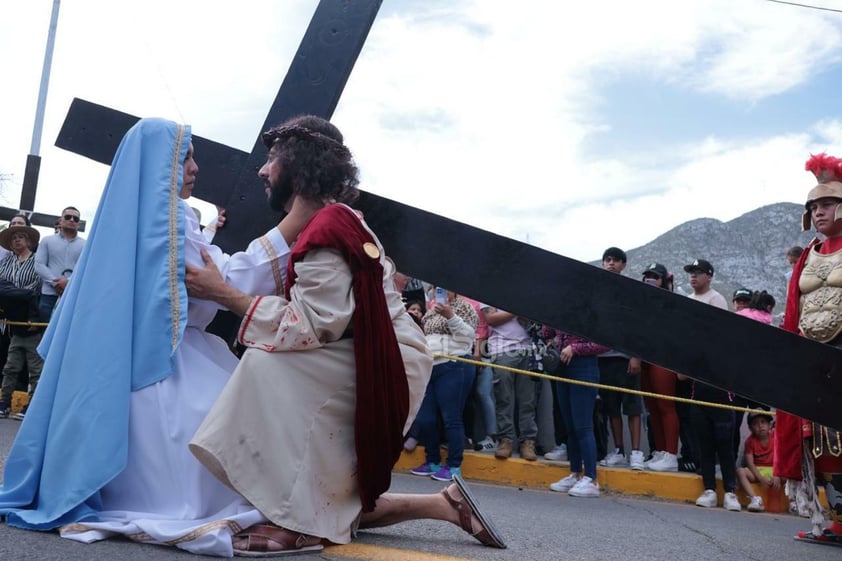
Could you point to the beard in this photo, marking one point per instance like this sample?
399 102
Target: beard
280 192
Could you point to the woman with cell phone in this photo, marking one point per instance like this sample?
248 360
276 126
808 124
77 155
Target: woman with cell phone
450 326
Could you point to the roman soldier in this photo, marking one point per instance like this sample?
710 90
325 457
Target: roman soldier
807 453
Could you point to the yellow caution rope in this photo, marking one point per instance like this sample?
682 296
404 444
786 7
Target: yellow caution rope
602 386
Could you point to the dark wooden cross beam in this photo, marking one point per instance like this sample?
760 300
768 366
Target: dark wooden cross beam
709 344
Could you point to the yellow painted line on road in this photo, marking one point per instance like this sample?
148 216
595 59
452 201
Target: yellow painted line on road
381 553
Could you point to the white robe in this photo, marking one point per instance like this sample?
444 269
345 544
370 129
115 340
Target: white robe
282 432
164 495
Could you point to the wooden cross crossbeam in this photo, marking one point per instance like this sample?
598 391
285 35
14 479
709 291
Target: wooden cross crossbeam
712 345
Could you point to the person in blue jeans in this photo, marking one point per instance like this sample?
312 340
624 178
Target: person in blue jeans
450 327
576 405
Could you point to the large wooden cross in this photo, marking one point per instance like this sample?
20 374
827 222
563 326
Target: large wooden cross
718 347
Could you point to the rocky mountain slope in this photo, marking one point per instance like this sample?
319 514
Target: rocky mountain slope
747 251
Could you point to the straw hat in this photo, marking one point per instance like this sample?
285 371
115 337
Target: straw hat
6 235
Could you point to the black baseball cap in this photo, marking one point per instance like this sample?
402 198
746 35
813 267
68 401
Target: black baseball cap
699 266
755 413
742 294
655 269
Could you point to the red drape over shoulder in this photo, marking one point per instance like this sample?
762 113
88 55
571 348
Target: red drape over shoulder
382 389
788 428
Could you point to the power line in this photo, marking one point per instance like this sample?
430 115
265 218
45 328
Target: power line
806 6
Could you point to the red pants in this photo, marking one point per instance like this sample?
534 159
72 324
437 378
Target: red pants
654 379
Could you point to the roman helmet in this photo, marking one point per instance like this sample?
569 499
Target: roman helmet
828 172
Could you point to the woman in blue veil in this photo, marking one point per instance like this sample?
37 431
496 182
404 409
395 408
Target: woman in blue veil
130 372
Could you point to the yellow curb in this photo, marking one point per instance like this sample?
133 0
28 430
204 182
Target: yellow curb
377 553
674 486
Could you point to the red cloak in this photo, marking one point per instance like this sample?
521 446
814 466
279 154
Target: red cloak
382 388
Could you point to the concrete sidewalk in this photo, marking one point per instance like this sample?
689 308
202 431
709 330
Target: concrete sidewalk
676 486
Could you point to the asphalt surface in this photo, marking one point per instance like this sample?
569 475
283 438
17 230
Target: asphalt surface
537 524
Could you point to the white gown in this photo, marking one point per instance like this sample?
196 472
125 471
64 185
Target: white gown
164 495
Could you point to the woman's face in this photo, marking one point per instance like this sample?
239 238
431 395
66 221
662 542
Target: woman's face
189 170
20 242
17 221
415 309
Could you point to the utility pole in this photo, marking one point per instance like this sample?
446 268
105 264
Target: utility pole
33 160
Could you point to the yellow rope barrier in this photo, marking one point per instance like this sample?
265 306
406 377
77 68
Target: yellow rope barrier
602 386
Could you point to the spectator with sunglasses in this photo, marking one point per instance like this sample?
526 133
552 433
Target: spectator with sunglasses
56 258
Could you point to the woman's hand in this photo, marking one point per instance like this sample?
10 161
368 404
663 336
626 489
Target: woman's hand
219 222
443 309
566 354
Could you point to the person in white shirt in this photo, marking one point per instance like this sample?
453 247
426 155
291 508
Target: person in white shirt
701 275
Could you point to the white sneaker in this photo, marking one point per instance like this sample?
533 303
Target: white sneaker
707 499
586 487
730 502
668 462
565 484
559 454
756 504
487 444
656 455
636 460
614 459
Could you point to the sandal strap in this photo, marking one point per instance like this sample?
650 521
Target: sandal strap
463 509
256 542
259 536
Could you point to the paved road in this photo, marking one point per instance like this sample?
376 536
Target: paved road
538 525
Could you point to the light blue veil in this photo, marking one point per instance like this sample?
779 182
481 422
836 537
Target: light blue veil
114 331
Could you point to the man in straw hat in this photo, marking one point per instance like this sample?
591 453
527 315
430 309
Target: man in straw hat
806 452
19 285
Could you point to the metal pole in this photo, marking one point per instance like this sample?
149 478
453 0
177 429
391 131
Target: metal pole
33 160
45 81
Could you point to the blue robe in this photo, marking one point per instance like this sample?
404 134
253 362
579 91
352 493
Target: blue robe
114 331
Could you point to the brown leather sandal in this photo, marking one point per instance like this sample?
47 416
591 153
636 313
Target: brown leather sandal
259 540
469 508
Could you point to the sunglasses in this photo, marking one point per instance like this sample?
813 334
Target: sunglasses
71 217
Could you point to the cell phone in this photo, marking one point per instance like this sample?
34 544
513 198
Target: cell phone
441 295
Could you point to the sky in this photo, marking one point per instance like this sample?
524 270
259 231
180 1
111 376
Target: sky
572 126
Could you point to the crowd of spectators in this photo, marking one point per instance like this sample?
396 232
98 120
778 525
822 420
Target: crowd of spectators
508 414
34 274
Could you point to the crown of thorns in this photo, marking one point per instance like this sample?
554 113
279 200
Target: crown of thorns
276 134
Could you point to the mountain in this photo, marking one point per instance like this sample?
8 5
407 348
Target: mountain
748 251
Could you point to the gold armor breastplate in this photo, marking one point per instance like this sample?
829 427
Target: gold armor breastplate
821 296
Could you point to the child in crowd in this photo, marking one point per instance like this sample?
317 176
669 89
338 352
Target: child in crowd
759 452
